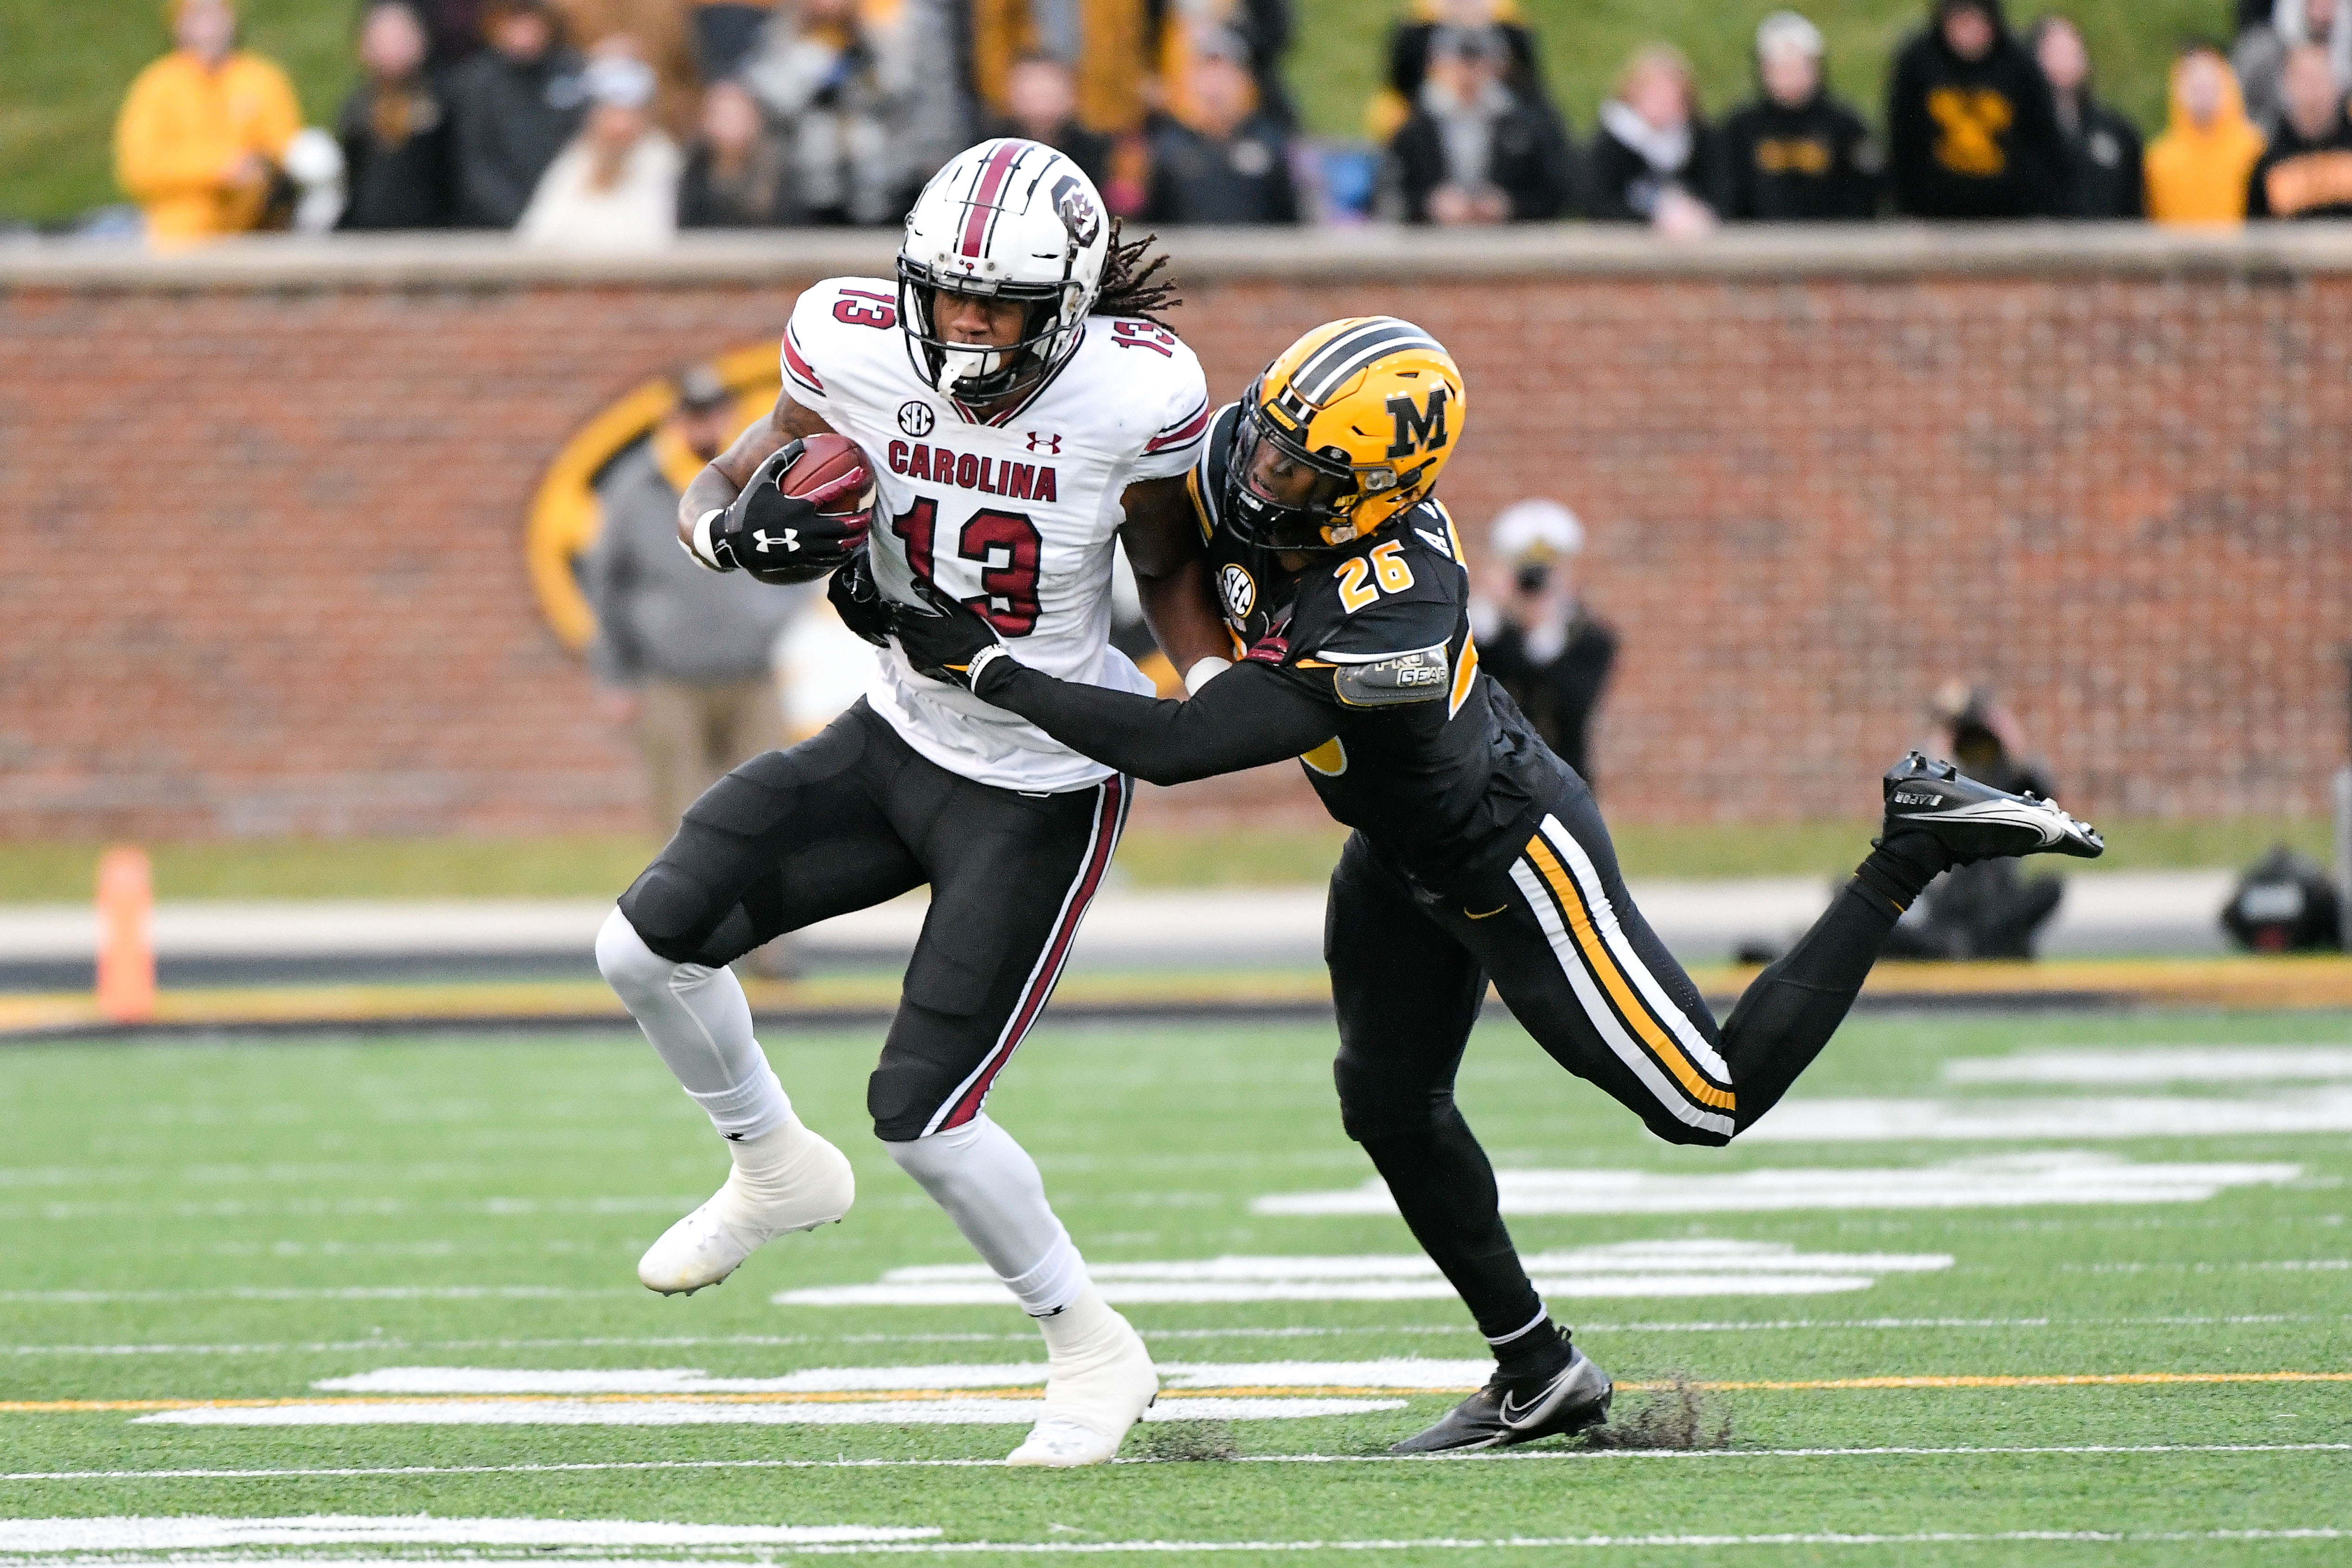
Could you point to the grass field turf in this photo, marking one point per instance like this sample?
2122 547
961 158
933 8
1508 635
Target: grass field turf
342 1185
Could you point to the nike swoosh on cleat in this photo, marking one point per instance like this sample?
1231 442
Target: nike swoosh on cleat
1516 1417
2014 813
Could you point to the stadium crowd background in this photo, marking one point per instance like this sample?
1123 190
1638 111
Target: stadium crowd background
612 124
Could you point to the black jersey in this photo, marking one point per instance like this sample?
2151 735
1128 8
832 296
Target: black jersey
1431 758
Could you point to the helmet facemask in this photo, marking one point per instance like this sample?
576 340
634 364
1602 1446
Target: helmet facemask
1323 524
978 372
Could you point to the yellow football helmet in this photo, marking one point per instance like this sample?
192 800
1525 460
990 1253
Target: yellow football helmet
1372 405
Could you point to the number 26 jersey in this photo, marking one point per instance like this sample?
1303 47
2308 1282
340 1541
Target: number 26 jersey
1016 515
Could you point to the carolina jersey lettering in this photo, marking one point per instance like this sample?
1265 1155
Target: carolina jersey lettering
1015 515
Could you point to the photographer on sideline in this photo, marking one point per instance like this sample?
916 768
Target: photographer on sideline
1534 635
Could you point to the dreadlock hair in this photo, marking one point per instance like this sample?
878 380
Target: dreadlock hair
1129 286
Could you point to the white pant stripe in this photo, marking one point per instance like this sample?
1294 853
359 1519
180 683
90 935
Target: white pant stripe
1604 921
1596 1008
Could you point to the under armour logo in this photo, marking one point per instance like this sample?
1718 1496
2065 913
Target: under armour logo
1045 443
791 541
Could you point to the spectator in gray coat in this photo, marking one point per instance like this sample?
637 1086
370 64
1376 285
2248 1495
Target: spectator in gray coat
518 103
684 654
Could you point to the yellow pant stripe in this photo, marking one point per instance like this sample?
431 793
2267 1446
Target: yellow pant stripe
1596 953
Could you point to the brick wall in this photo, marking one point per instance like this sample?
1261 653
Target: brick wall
262 572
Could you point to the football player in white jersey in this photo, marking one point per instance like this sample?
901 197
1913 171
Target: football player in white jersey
1020 410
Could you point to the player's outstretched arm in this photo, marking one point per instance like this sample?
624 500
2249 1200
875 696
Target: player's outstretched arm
724 476
1251 716
1162 536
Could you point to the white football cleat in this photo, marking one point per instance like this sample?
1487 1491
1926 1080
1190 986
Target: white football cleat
1100 1383
785 1180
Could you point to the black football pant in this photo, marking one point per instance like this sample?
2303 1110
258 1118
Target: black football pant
1582 969
854 816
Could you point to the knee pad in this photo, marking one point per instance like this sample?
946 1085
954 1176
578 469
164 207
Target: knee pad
670 913
629 966
1374 1106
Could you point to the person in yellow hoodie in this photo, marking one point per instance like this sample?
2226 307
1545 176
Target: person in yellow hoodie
203 129
2197 170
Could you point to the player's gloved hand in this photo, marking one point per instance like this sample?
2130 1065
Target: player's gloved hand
779 538
948 641
858 601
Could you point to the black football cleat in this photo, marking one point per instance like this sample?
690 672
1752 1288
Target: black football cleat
1502 1414
1975 821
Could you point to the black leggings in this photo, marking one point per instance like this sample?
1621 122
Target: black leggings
1582 969
854 816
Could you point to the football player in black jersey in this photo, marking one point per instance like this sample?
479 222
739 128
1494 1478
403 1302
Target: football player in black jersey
1477 855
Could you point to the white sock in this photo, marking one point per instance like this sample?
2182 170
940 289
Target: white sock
700 1023
991 1188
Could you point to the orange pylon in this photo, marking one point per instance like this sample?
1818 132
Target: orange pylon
126 936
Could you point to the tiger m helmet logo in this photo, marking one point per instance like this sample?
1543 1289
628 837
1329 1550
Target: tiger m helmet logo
1418 429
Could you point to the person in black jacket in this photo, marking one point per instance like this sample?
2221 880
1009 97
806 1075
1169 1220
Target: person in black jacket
2308 172
1538 637
518 103
2105 175
1796 154
1971 132
1475 152
1232 165
1653 161
736 174
1041 104
1409 42
399 168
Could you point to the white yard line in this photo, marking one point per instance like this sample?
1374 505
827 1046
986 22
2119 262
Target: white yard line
1067 1548
2074 1119
202 1532
692 1341
981 1412
2145 1065
1524 1454
2011 1181
328 1293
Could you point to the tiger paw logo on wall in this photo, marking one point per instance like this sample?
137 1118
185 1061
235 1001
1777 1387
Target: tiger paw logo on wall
564 517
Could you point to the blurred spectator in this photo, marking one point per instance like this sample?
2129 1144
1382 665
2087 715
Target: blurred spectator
2261 54
840 85
2252 14
736 174
1534 635
1409 42
2308 172
616 186
1971 132
1263 26
516 103
1473 151
453 29
1796 154
1987 909
400 166
1232 163
725 33
682 653
1106 43
2197 170
1653 156
2104 173
205 130
1041 104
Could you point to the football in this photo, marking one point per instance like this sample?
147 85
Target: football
824 460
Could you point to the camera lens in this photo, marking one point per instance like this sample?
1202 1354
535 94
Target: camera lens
1534 578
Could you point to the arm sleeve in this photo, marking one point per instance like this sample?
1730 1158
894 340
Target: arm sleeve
1251 715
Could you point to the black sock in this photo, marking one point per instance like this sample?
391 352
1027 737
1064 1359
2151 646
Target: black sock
1535 1352
1445 1190
1789 1013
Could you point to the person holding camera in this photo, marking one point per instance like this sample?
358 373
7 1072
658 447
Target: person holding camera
1537 637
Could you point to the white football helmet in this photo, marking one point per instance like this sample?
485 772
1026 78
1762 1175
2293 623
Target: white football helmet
1007 220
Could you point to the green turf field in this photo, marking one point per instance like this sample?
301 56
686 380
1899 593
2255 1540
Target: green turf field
241 1222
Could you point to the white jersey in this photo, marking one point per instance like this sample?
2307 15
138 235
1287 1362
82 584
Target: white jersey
1015 515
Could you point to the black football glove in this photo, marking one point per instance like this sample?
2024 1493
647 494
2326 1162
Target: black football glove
858 600
777 538
948 641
